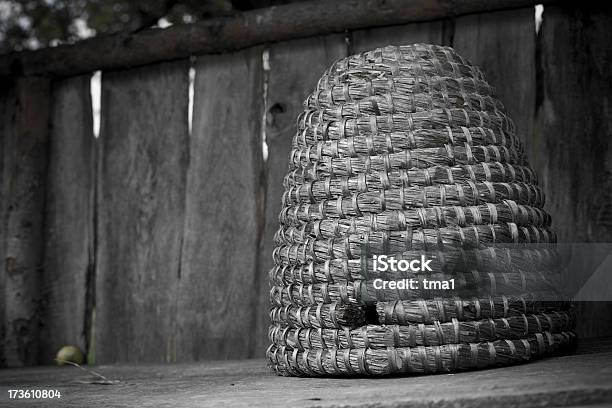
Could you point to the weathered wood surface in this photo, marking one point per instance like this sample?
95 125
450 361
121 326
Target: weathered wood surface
574 135
25 163
573 138
581 379
217 298
243 30
294 69
144 156
503 45
368 39
7 106
69 219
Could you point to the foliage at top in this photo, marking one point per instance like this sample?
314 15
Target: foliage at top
31 24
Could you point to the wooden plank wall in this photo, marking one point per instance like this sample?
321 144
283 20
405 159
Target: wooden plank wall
549 84
180 226
141 209
24 168
69 232
572 144
433 33
573 123
7 104
217 298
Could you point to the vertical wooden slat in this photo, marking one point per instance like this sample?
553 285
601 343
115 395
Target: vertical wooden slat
574 131
218 287
295 68
68 218
144 155
503 45
7 105
573 137
365 40
25 164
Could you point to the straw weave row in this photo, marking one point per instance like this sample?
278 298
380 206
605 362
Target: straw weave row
415 158
473 281
518 265
312 150
325 127
304 186
436 334
347 92
420 359
445 309
394 103
328 315
355 246
416 218
364 292
467 194
406 312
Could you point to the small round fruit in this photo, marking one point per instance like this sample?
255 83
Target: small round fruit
69 354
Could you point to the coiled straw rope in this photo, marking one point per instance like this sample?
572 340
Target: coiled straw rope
412 335
420 359
406 152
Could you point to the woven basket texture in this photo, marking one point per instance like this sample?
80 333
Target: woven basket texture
402 151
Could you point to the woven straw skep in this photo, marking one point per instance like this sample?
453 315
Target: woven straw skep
406 152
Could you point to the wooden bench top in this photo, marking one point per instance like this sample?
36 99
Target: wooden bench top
581 379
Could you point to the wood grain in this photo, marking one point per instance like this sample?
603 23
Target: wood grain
25 163
7 106
503 45
68 218
295 68
574 129
574 137
368 39
239 31
143 161
217 298
581 379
